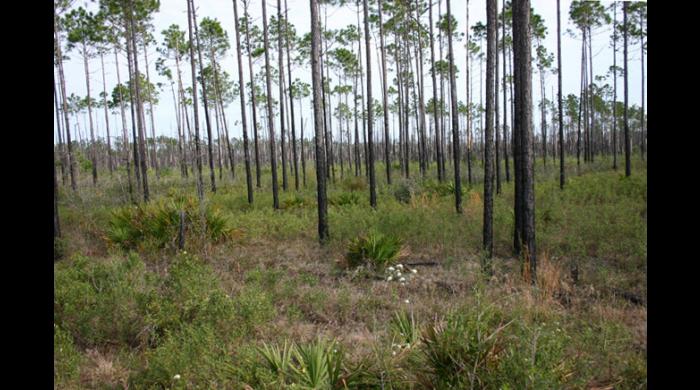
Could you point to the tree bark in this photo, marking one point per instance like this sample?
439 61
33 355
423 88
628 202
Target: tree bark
241 89
491 51
212 176
523 110
455 115
562 172
370 114
436 104
628 152
270 118
318 125
195 105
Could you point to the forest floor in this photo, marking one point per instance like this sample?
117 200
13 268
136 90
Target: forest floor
132 311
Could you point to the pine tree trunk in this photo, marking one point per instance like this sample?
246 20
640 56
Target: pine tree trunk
491 51
270 118
505 99
562 173
104 103
253 103
495 105
387 160
436 106
154 152
455 116
370 114
628 151
523 109
195 103
210 150
241 89
93 152
139 104
318 124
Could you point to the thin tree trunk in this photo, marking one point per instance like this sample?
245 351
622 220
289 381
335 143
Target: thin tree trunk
139 105
562 173
212 176
280 64
104 103
244 123
436 118
154 153
195 105
93 152
270 118
495 107
387 159
370 114
291 99
318 125
628 152
455 115
491 52
505 99
523 108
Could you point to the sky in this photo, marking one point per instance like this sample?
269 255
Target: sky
174 12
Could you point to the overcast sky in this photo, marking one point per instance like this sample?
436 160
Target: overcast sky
174 12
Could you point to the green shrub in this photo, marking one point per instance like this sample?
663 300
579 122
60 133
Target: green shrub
195 354
294 202
190 294
66 359
345 198
253 309
405 328
499 351
404 191
375 250
158 223
101 303
317 365
354 183
444 188
59 248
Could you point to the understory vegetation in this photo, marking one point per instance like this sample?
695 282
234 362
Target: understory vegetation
253 301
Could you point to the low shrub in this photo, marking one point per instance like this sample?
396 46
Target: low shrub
191 358
66 358
190 294
405 190
354 183
100 303
345 198
320 364
375 250
294 202
157 223
482 347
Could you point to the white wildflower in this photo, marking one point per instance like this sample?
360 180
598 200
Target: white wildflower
408 345
407 301
398 273
391 269
389 279
402 279
393 353
176 377
415 271
399 266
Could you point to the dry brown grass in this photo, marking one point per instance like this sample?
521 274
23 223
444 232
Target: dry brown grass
103 369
